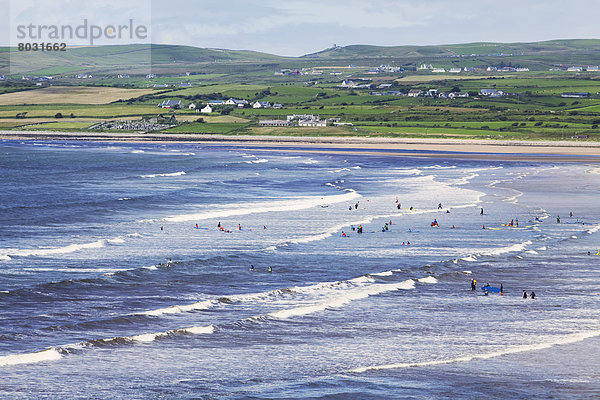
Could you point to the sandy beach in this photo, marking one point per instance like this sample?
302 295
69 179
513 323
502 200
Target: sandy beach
566 151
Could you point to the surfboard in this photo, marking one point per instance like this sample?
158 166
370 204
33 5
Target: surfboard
490 289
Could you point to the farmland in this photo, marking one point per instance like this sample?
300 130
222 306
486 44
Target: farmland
530 107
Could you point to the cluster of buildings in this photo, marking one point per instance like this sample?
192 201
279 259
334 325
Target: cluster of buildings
38 79
305 120
576 68
212 104
457 70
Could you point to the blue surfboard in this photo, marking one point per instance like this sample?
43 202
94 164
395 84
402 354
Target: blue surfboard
491 289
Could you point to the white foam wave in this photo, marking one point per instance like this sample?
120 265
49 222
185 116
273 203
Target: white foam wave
469 258
201 305
151 337
440 167
158 175
5 257
573 237
531 252
340 170
117 240
272 206
566 339
56 250
124 198
429 279
384 273
343 299
30 358
467 272
508 249
594 229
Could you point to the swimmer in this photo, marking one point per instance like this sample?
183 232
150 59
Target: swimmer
251 267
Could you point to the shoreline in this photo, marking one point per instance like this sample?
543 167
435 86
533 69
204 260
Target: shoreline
559 151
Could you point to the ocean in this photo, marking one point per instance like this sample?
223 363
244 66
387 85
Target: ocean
125 273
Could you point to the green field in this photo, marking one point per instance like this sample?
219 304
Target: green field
533 108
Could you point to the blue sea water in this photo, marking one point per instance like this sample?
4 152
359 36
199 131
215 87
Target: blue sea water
91 306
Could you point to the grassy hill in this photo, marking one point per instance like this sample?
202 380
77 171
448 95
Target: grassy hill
575 46
121 58
165 59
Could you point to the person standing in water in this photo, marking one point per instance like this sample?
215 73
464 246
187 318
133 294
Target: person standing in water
270 269
524 294
251 267
481 212
532 294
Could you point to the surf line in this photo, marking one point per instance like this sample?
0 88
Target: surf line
566 339
56 352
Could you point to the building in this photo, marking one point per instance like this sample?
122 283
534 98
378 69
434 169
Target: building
438 70
161 85
192 106
207 109
215 103
455 70
414 93
318 123
274 122
236 102
592 68
121 76
2 78
574 69
174 104
83 76
491 93
578 95
150 76
277 106
424 66
347 84
185 84
384 85
261 104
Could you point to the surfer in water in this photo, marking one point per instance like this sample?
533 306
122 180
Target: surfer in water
481 212
532 294
251 267
270 269
524 294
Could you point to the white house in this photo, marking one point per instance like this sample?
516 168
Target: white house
208 109
216 102
261 104
313 123
574 69
192 106
236 102
274 122
455 70
438 70
414 93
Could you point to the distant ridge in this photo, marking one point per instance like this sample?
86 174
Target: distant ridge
165 58
465 49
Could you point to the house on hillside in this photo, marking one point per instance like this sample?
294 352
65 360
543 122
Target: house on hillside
150 76
236 102
438 70
574 69
161 85
592 68
261 104
215 103
173 104
122 76
424 66
207 109
455 70
492 93
414 92
192 106
277 106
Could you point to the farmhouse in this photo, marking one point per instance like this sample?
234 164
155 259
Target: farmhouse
216 102
150 76
236 102
192 106
121 76
574 69
414 92
174 104
491 93
261 104
592 68
438 70
454 70
207 109
313 123
161 85
277 106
